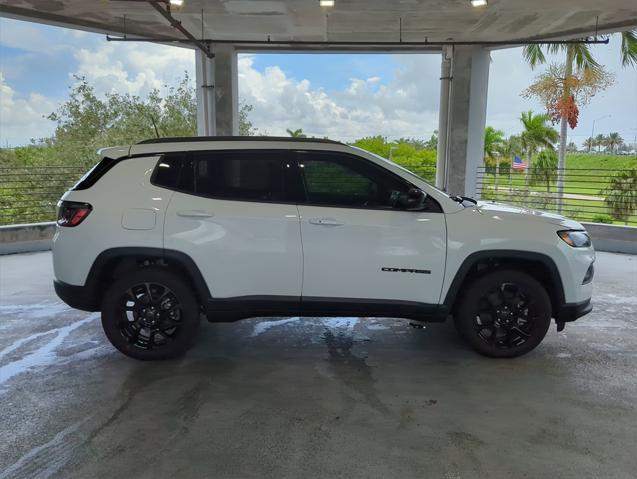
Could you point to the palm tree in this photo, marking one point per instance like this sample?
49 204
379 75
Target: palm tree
600 140
545 169
578 56
589 143
613 140
493 142
296 133
537 134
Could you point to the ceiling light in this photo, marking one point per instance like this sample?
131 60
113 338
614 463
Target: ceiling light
479 3
177 3
326 3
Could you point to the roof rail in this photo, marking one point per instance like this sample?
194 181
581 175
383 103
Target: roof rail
181 139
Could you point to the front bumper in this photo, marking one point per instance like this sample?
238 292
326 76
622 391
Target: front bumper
571 311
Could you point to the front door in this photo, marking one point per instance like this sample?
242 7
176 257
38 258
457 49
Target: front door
358 242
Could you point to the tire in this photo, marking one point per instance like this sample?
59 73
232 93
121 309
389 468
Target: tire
504 314
164 327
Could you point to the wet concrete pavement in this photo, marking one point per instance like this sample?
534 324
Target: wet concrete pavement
331 397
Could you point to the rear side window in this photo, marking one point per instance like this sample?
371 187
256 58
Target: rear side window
241 175
174 171
248 175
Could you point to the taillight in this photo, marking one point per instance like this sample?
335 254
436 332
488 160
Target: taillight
72 213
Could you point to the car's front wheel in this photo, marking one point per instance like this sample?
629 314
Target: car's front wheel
150 314
504 313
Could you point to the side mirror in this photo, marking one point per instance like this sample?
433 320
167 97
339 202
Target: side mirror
413 200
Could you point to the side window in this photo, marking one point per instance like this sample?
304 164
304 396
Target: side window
254 175
167 171
337 180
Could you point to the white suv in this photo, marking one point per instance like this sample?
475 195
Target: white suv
163 230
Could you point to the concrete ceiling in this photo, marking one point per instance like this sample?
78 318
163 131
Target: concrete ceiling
348 21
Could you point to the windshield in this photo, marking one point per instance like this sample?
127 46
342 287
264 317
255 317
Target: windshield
411 173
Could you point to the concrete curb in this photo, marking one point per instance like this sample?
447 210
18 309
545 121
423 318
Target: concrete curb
37 237
613 238
26 238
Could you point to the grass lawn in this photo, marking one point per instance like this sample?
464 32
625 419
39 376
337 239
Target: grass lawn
587 175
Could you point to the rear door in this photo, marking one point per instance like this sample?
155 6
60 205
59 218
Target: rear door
232 214
358 242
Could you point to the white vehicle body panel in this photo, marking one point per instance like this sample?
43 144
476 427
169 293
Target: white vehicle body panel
251 248
346 249
490 226
242 248
115 199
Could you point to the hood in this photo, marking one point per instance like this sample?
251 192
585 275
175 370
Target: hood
501 209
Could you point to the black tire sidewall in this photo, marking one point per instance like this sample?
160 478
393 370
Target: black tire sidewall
111 314
464 319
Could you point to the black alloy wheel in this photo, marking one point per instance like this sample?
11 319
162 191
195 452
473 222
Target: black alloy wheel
504 313
150 313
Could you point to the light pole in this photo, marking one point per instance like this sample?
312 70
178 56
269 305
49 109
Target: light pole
593 130
392 148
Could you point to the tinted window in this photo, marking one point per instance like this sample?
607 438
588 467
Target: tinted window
167 171
242 175
339 180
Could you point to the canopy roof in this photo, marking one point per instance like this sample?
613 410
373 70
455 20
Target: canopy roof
347 21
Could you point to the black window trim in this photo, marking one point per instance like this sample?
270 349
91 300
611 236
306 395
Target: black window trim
292 156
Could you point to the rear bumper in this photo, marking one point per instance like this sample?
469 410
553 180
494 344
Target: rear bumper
77 297
571 311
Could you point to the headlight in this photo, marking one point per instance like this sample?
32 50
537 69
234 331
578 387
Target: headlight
576 239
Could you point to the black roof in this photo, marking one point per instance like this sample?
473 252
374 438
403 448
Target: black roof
180 139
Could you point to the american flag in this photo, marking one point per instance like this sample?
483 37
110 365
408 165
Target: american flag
519 163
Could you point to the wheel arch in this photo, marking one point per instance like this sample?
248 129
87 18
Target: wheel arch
538 265
114 262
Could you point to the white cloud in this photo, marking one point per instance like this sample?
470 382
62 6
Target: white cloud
23 118
405 106
133 68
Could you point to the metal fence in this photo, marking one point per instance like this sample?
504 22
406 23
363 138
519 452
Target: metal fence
592 195
29 194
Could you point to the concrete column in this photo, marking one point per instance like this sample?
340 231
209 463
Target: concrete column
467 117
217 92
226 90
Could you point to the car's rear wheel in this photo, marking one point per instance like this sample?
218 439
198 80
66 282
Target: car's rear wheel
504 313
150 314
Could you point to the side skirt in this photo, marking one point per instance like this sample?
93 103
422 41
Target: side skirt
233 309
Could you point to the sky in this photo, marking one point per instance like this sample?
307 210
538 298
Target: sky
342 96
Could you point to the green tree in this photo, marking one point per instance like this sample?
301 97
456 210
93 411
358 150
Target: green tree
296 133
432 143
621 195
493 142
544 169
614 141
571 147
600 140
578 57
589 143
537 134
245 125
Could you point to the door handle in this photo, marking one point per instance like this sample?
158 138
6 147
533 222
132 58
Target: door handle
325 222
194 214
